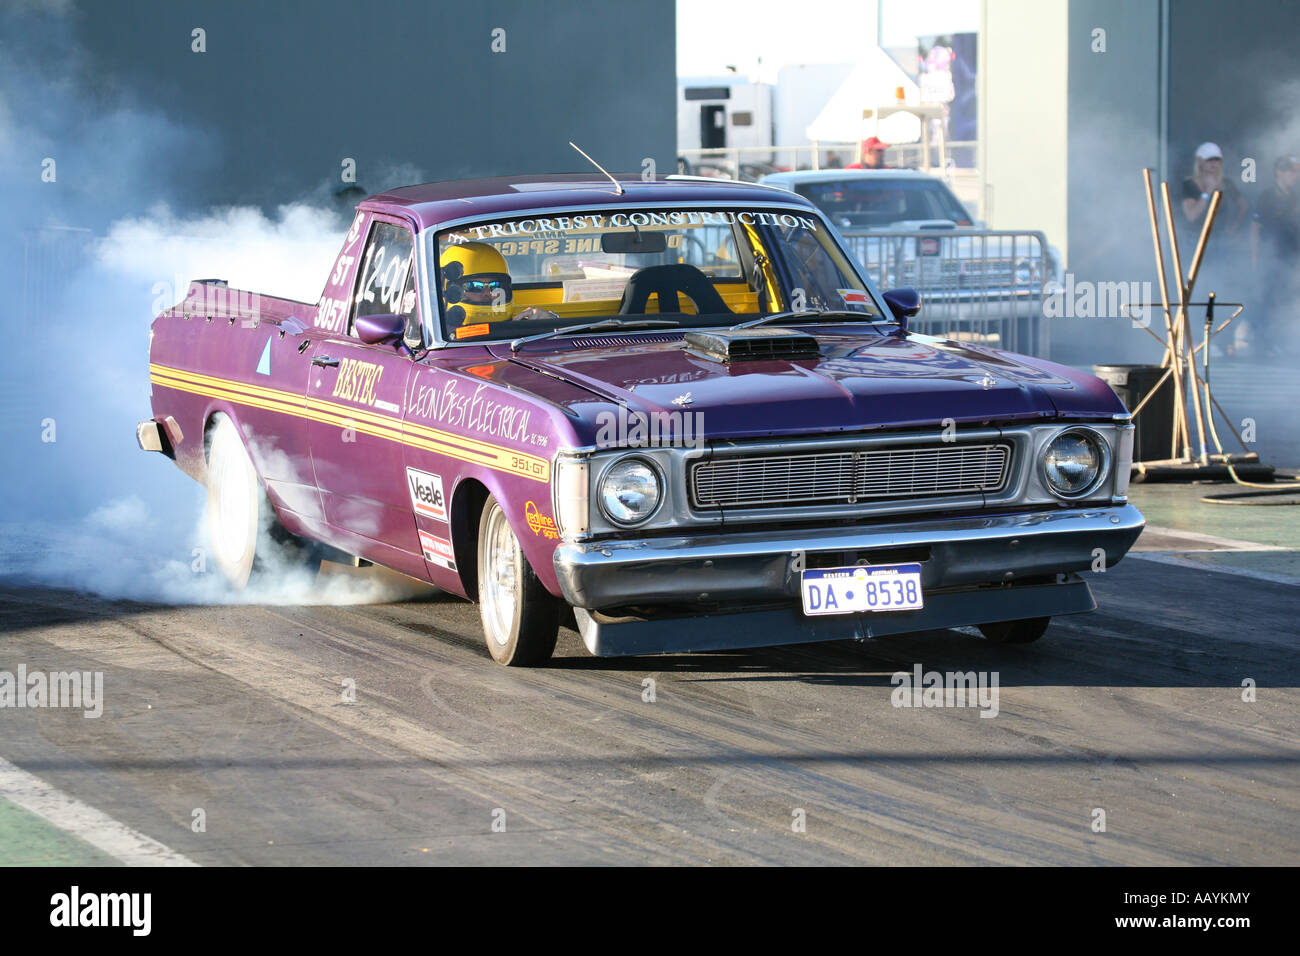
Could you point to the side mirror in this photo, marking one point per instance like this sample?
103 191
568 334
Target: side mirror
377 329
904 303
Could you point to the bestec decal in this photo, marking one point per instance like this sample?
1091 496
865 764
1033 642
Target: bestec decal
357 381
539 523
437 550
426 494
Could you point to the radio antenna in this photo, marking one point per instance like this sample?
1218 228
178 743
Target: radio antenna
618 187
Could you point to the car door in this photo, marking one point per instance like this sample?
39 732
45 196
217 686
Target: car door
355 397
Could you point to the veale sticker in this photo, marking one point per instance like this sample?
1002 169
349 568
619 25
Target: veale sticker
437 550
426 494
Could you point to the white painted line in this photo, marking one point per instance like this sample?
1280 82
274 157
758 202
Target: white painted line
83 821
1161 557
1219 544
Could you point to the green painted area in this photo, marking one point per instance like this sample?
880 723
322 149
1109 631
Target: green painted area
1272 562
28 840
1174 505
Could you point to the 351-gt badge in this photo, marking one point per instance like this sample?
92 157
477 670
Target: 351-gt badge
426 494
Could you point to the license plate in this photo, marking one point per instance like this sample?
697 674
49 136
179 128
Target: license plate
886 587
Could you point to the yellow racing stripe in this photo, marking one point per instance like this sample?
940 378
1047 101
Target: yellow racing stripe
448 444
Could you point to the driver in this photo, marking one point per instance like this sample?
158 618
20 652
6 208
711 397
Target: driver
476 286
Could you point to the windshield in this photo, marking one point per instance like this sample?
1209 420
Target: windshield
694 267
881 202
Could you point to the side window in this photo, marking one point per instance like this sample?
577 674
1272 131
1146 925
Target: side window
383 277
414 337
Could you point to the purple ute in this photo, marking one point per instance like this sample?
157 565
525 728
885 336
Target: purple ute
677 408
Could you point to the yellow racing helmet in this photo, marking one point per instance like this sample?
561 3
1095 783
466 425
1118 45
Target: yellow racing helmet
476 283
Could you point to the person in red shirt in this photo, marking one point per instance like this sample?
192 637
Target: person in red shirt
873 155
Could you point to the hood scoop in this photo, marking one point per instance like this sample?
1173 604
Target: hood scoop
753 345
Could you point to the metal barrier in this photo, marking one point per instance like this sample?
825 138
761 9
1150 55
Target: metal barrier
751 162
983 286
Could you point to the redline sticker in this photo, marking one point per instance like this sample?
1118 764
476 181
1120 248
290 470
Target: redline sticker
437 550
853 297
426 494
469 331
539 523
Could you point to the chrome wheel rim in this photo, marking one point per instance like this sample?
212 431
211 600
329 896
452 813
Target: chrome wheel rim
500 573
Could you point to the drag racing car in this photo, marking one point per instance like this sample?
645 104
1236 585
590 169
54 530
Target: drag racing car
673 412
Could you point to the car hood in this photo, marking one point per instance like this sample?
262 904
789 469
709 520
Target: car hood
858 382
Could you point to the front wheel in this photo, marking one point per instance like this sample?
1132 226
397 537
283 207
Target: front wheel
521 619
1015 632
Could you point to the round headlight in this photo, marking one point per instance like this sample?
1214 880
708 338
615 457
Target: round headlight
1073 462
630 491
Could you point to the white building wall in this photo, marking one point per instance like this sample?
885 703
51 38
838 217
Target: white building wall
1024 117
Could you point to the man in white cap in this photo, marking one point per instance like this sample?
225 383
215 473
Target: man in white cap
1200 186
1224 261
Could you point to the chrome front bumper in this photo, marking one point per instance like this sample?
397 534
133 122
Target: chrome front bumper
716 569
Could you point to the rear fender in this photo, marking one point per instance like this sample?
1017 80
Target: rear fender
255 450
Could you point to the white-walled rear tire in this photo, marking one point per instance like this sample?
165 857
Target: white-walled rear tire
234 503
243 530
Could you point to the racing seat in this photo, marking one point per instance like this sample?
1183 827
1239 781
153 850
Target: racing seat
667 282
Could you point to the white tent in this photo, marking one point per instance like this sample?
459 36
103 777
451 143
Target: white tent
872 83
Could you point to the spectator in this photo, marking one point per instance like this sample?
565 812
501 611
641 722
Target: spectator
833 160
1200 186
1223 260
873 155
1275 256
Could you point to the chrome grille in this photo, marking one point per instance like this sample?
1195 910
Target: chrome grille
852 475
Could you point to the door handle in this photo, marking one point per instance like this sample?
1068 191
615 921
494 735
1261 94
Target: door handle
324 360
